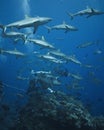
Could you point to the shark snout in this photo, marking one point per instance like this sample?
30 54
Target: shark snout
45 20
49 19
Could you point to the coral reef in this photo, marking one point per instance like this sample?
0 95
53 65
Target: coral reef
53 111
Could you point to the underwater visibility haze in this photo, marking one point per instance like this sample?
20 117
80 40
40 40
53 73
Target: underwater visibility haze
51 64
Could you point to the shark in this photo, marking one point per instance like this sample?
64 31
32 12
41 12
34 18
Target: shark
51 59
46 78
27 22
41 42
86 44
12 52
78 77
67 58
15 35
73 59
62 26
88 12
58 53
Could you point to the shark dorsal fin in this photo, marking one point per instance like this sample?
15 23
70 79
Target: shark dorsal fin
15 49
64 22
73 56
48 54
26 16
43 38
87 7
58 50
37 16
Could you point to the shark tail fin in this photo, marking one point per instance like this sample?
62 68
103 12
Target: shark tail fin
25 39
49 28
3 28
71 15
1 51
17 39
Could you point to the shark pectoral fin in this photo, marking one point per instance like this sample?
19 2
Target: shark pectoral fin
41 48
66 31
88 16
35 29
92 9
17 57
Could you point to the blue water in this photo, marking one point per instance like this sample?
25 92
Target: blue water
90 29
